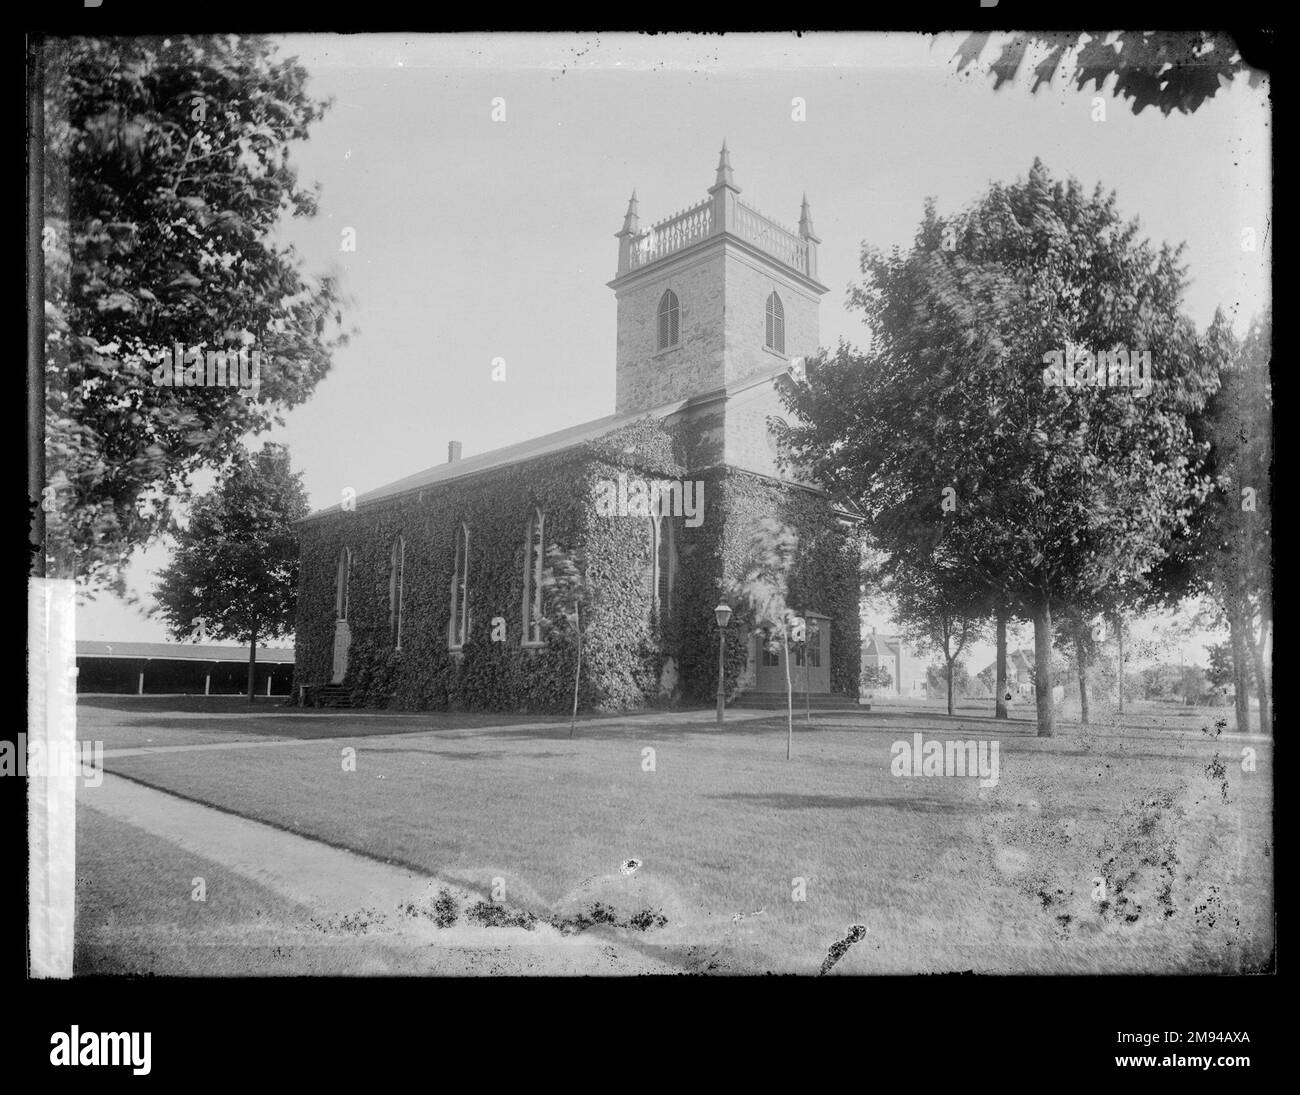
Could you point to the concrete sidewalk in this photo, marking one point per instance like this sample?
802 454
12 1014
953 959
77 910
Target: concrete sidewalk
335 883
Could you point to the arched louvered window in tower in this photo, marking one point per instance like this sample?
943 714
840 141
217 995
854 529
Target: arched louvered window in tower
669 320
534 559
396 577
341 584
458 627
775 324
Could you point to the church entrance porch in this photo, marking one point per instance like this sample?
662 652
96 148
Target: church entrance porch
810 661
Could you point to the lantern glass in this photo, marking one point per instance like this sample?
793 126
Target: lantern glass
723 615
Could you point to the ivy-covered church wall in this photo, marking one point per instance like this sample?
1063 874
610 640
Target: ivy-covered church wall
626 643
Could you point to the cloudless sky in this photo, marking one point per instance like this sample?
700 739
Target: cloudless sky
479 239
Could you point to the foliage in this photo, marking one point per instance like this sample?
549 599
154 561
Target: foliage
950 441
1170 70
234 573
168 171
876 677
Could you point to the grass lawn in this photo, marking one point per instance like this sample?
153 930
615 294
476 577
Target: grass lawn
943 874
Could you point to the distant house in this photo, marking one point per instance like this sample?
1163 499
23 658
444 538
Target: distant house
890 653
180 668
1020 669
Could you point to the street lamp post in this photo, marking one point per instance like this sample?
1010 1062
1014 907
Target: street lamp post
723 615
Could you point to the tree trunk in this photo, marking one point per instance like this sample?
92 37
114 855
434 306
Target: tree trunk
1119 637
1080 657
577 673
789 699
252 664
1000 673
951 709
1043 668
1240 664
1257 650
807 703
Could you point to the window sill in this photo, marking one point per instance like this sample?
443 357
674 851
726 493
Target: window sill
666 351
776 353
540 645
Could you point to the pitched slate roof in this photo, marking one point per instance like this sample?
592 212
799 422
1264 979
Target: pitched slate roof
548 444
182 652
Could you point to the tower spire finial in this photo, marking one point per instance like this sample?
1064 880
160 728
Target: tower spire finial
724 177
631 222
806 229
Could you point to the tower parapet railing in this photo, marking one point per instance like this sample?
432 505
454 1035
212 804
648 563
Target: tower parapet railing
681 230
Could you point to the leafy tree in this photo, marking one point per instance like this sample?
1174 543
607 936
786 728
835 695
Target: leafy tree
235 569
1170 70
1047 493
936 615
1221 672
168 172
1232 545
947 679
1077 636
876 676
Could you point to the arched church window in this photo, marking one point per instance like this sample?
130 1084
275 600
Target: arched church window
534 558
669 320
341 584
665 547
396 578
458 627
775 324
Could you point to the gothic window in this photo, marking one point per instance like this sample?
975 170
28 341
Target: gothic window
396 575
533 561
458 628
775 324
669 316
341 584
664 564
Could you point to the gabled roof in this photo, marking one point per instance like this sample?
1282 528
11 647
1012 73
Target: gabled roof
1018 661
881 646
548 444
182 652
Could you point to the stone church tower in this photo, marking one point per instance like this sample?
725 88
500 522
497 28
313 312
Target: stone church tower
711 297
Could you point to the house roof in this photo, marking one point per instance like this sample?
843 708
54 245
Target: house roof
182 652
881 646
548 444
1018 660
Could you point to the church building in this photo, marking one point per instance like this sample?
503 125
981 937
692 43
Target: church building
596 555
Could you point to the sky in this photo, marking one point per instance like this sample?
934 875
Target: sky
480 239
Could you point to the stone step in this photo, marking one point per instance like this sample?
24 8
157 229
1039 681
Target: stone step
773 701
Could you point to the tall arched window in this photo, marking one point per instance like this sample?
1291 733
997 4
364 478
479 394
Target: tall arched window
775 324
458 627
534 557
665 564
669 320
341 584
396 577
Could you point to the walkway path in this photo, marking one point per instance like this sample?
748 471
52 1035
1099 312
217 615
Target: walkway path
335 883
